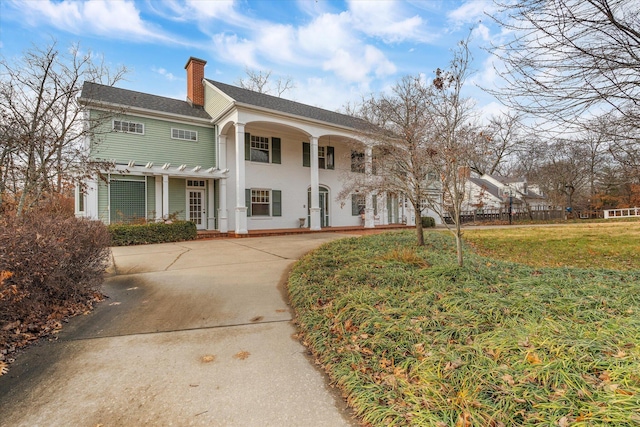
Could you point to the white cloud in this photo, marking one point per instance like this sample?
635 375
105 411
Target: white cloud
472 11
239 51
483 32
163 72
356 67
277 42
211 9
323 36
387 20
113 19
326 92
327 42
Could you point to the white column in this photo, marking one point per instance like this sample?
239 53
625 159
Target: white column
91 206
211 209
314 209
165 196
222 151
223 221
158 198
369 220
241 209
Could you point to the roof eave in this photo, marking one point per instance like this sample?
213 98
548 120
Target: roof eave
128 108
293 116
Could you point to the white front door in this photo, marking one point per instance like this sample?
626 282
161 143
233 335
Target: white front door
197 212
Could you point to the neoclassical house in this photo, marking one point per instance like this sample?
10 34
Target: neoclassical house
228 159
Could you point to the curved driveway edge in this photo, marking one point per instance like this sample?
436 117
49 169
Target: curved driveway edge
192 334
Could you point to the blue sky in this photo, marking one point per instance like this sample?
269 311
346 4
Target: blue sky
334 51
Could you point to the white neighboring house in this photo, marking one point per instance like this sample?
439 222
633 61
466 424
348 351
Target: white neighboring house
489 192
228 159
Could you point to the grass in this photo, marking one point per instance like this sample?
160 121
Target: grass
412 339
613 245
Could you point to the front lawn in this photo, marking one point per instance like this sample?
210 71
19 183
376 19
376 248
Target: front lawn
614 244
411 339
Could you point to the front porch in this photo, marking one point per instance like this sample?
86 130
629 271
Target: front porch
213 234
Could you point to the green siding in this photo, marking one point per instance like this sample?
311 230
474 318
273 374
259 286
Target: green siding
177 197
156 145
127 200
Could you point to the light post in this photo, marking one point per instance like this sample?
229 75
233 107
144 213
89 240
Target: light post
569 190
509 193
510 205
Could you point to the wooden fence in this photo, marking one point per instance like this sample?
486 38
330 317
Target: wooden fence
494 215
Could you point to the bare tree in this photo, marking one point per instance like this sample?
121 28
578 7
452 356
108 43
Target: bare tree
421 136
400 132
43 126
564 176
497 144
568 57
259 81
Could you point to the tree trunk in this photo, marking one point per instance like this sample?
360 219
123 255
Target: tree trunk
459 244
419 232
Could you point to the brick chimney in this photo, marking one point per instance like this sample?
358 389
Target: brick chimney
195 75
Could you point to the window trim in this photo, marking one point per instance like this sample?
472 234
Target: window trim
184 130
329 156
129 123
191 183
257 139
358 200
261 193
275 202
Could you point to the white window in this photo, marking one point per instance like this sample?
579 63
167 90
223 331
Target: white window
260 202
195 183
189 135
129 127
259 149
322 159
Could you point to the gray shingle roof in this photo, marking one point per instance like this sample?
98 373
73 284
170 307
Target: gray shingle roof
489 187
495 191
249 97
94 92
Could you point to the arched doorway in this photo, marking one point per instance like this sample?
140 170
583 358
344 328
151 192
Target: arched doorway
324 206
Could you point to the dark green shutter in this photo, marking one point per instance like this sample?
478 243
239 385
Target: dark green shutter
247 146
247 200
354 205
276 204
375 205
330 158
306 154
275 150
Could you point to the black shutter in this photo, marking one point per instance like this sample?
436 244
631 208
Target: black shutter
275 150
247 146
306 154
247 200
276 204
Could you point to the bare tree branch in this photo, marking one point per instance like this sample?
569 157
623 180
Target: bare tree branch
42 124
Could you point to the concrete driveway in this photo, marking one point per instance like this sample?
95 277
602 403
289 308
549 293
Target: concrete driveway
192 334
